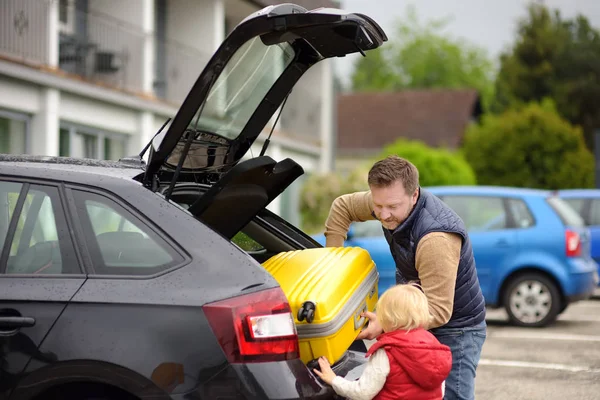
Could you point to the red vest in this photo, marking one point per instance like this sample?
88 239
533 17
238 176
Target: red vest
418 365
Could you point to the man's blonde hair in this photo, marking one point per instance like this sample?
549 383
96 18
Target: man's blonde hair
403 307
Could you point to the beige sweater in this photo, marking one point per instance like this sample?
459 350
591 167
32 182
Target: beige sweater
438 253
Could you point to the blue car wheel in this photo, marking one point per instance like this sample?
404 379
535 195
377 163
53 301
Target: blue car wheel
532 300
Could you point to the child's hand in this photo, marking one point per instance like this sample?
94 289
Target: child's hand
326 373
371 331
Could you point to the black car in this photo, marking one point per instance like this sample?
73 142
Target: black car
135 280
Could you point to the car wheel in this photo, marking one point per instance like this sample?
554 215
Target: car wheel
532 300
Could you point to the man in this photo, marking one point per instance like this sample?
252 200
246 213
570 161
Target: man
430 245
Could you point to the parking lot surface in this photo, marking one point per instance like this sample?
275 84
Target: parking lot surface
559 362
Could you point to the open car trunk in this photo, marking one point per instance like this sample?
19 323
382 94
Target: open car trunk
243 85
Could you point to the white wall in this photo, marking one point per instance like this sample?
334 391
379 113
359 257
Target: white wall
19 95
98 114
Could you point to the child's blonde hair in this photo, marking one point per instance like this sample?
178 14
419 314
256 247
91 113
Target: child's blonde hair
403 307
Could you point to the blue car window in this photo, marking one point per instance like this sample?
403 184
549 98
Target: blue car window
479 213
595 212
521 214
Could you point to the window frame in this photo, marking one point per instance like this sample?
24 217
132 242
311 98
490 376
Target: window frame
181 257
63 224
21 117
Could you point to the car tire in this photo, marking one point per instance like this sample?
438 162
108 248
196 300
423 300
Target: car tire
532 300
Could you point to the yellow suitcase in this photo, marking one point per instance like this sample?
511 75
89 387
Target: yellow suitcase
328 289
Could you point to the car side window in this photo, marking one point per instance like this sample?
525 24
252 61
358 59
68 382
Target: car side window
119 242
36 240
370 228
576 204
479 213
246 243
521 214
595 212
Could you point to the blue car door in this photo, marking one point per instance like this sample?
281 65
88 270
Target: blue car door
492 235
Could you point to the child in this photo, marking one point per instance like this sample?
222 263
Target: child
407 361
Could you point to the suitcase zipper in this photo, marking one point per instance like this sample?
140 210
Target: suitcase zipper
366 289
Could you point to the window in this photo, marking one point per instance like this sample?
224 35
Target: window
565 212
577 204
66 16
36 240
13 133
90 143
595 212
119 243
520 213
371 228
246 243
480 214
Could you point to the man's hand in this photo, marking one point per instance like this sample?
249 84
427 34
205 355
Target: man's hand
326 374
373 330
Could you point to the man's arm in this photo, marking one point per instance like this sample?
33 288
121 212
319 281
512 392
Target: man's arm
348 208
437 258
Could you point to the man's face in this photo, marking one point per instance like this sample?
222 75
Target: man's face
392 204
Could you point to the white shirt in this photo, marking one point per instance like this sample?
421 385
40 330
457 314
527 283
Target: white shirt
371 380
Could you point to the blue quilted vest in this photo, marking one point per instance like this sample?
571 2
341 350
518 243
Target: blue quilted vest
430 214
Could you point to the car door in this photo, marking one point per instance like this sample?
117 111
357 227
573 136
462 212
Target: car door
490 229
39 273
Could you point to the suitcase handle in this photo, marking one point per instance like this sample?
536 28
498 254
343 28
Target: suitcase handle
361 321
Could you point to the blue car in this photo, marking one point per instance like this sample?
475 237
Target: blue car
532 250
587 203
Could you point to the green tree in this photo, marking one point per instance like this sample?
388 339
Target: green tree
553 58
424 56
531 146
437 166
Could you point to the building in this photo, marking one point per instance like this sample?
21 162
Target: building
97 78
366 122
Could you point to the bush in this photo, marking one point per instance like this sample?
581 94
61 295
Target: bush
319 191
529 147
437 166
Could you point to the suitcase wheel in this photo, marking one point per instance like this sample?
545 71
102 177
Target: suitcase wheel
307 311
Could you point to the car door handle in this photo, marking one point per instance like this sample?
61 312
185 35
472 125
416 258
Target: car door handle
502 243
10 323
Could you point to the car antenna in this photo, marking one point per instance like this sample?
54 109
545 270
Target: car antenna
268 139
155 135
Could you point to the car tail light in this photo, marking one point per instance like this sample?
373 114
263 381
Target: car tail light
573 243
256 327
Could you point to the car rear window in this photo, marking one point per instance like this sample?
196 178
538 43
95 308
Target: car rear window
567 214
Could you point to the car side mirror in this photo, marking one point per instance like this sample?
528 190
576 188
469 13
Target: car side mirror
350 233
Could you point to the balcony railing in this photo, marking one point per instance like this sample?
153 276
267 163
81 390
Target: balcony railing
104 50
24 25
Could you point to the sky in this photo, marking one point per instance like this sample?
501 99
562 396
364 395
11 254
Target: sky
491 24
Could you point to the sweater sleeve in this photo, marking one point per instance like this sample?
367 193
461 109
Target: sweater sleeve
370 382
348 208
436 261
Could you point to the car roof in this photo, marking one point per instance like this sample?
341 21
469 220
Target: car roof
67 168
581 193
489 190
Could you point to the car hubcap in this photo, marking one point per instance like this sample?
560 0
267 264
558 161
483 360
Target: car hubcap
530 301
